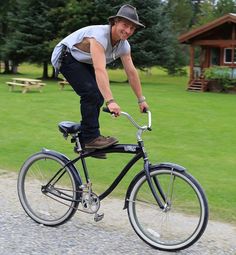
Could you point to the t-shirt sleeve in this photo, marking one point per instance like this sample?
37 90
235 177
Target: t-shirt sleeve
126 48
98 35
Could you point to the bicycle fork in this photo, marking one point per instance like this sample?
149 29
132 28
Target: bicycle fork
149 180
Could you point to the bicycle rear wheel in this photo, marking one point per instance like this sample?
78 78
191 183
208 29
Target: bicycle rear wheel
181 222
52 205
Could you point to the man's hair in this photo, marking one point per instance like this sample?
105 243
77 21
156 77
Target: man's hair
113 21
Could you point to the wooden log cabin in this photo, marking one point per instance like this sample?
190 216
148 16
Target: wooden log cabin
213 44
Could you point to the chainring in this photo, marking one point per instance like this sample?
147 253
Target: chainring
90 202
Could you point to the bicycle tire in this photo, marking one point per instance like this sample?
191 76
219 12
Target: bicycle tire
42 206
179 225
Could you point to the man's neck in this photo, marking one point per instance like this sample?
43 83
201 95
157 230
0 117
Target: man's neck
114 39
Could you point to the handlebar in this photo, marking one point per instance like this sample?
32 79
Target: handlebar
130 118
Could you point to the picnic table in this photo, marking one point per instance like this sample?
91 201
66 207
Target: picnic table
63 83
25 84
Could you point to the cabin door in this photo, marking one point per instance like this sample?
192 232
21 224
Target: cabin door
215 57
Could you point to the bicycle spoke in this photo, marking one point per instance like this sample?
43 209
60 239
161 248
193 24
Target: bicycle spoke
146 203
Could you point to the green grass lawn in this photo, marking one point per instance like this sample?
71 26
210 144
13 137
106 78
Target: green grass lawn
195 130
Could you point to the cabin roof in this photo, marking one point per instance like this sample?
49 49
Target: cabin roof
188 37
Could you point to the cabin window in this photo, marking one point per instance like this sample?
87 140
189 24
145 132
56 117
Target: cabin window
228 55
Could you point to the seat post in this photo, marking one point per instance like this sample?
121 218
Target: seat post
78 147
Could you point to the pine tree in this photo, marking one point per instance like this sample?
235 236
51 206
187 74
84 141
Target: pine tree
181 13
35 28
6 7
205 14
156 44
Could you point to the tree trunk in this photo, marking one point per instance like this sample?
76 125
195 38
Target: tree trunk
45 70
14 68
53 73
7 66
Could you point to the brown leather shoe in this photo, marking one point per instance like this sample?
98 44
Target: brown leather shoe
101 142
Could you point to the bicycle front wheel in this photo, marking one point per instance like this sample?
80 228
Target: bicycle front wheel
185 214
53 204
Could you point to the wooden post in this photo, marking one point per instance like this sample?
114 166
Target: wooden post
208 57
191 64
233 45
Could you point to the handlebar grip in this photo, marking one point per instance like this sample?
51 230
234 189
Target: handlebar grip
105 109
145 110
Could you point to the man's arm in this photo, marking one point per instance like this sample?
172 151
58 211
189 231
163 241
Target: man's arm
99 64
134 80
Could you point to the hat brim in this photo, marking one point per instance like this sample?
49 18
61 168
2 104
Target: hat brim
140 25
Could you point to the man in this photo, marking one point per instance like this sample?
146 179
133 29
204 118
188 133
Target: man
82 57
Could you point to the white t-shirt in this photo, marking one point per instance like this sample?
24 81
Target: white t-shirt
99 32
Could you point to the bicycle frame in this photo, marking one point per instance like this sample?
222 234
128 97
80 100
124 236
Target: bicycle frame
118 148
138 150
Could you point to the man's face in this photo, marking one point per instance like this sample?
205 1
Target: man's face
124 29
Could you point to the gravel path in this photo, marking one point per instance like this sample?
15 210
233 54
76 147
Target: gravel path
113 235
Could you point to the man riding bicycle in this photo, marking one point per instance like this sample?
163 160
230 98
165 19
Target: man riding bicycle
82 57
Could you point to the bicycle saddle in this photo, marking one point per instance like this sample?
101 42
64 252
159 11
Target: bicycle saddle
69 127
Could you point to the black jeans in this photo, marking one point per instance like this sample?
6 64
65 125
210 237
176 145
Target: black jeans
81 77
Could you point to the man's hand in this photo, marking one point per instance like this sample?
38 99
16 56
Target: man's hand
143 106
114 108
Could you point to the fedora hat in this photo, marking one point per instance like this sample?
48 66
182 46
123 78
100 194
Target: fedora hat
128 12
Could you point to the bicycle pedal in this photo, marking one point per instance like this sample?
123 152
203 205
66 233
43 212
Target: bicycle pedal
98 217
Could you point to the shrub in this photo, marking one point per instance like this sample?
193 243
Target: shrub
221 75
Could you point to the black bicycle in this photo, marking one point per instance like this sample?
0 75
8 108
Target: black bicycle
166 206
